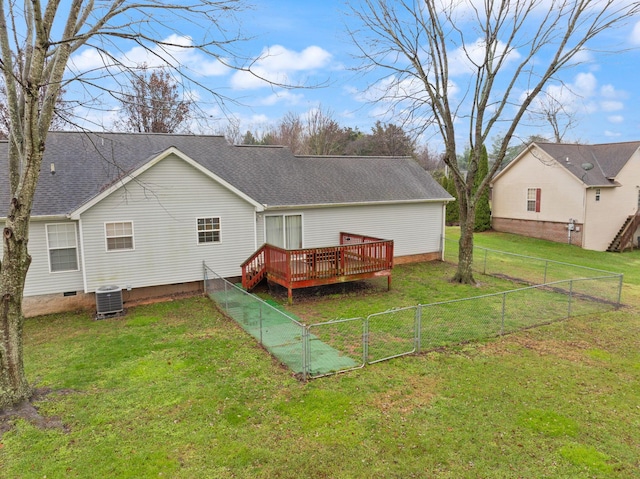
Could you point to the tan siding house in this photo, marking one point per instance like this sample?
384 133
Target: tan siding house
586 195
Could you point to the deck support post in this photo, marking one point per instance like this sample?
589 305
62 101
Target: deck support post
290 295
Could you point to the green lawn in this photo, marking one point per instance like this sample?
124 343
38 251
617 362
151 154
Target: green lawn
177 390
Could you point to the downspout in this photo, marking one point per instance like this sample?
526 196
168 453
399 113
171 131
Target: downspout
444 225
584 216
82 256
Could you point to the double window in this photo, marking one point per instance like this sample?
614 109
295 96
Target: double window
119 235
208 230
533 199
284 231
62 244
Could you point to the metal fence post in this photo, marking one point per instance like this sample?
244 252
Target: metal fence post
485 261
546 265
305 348
204 275
504 301
260 320
620 292
570 297
226 298
418 329
365 341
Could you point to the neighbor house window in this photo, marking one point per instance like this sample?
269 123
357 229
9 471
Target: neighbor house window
208 230
119 235
597 194
284 231
533 199
63 247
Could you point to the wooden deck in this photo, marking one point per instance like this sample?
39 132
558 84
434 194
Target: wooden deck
357 257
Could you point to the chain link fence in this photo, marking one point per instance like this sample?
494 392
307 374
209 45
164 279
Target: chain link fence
552 291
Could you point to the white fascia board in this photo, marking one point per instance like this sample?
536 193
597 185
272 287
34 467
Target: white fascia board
169 151
43 218
362 203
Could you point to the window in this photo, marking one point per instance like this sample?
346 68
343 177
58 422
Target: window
62 246
533 199
119 235
284 231
208 230
597 194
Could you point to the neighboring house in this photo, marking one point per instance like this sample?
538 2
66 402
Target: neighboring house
143 211
587 195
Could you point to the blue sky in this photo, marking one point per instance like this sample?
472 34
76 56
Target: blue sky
307 43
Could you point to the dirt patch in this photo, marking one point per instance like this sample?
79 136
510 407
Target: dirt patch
574 351
322 292
416 393
29 412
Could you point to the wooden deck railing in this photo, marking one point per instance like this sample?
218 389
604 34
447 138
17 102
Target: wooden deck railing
358 257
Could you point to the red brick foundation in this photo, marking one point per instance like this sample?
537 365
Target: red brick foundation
547 230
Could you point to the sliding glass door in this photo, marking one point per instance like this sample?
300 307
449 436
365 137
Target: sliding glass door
284 231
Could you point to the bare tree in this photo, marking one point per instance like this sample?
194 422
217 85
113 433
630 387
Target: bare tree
324 135
508 51
553 111
152 103
36 43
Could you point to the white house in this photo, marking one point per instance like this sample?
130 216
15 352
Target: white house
143 211
588 195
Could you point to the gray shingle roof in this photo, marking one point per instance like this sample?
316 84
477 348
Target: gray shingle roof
606 159
88 163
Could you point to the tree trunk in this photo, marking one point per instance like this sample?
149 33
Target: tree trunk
13 384
464 273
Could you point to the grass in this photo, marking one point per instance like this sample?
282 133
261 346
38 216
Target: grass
176 390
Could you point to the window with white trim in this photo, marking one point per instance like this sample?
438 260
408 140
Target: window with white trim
208 230
597 194
119 235
533 199
63 247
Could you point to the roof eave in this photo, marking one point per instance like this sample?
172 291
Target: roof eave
357 203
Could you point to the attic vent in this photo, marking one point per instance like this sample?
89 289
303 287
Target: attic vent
108 300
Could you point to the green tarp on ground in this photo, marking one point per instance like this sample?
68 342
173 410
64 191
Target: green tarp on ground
281 333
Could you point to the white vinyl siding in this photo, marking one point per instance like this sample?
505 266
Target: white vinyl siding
416 228
40 279
165 249
62 243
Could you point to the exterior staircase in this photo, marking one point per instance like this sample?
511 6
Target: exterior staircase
624 237
254 269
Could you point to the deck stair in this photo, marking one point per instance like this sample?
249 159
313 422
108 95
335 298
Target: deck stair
624 237
254 269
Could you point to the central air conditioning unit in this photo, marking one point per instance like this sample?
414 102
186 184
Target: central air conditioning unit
109 300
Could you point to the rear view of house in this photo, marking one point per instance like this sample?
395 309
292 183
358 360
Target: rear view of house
586 195
141 212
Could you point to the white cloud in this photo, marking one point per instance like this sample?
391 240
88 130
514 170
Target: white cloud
615 119
612 105
585 84
277 64
176 51
635 34
612 134
282 97
464 60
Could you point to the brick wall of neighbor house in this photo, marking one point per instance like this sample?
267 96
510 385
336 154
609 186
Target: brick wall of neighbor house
547 230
